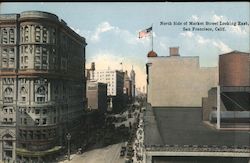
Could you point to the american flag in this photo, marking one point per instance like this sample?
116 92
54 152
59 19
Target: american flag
145 32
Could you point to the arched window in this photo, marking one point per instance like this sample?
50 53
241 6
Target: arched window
26 34
37 34
8 91
41 90
23 90
7 136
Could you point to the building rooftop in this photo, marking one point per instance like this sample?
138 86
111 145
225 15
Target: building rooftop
184 127
236 52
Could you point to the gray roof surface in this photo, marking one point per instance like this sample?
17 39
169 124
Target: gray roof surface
184 126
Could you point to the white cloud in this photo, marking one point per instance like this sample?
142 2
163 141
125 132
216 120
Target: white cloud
234 29
187 34
221 46
195 17
125 35
200 40
217 18
103 27
105 60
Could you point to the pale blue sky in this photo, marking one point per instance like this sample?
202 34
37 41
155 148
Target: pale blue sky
111 29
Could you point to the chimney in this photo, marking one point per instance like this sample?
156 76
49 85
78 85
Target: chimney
174 51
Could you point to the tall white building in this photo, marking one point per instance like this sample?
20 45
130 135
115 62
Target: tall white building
113 79
115 83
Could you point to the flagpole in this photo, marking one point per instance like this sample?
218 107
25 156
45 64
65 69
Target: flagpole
152 39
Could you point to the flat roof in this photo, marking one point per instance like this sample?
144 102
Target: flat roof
184 126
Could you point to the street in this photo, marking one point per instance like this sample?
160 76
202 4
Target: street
109 154
131 118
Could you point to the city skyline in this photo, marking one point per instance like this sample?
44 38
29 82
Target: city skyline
111 30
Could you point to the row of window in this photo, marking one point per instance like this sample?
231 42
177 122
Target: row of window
7 120
7 51
38 121
8 58
8 62
8 99
37 111
8 36
10 81
29 134
7 110
26 49
41 34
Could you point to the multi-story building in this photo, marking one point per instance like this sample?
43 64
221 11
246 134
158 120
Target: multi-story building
178 80
97 96
127 88
41 90
174 130
132 77
115 82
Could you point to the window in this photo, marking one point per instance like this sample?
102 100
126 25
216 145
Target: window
23 98
12 61
31 134
23 90
37 111
37 60
4 52
11 111
5 110
40 99
25 121
8 91
44 51
44 121
5 120
37 34
44 111
4 62
25 59
37 121
38 50
11 119
41 90
25 134
44 35
44 61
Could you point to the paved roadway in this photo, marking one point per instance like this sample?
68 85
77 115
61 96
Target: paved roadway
109 154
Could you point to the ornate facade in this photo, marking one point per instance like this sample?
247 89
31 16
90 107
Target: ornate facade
41 88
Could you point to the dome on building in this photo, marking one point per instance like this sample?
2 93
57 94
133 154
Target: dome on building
152 54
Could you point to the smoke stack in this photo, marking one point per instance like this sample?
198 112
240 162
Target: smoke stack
174 51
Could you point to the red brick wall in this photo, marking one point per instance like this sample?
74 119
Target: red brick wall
234 69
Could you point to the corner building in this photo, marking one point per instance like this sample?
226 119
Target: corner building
41 75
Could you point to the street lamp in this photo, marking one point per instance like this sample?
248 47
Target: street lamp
68 138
